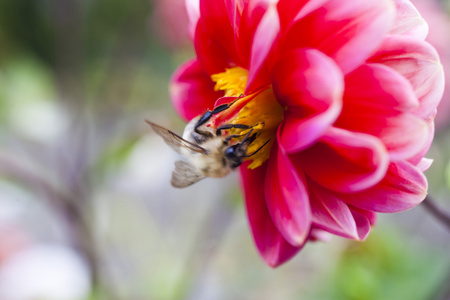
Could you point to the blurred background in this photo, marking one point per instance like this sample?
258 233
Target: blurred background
86 207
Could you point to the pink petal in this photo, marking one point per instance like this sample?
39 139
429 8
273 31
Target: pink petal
347 31
314 101
191 90
403 188
408 21
288 9
193 12
271 245
215 37
215 15
265 35
287 198
378 85
424 164
213 56
371 216
375 98
418 157
364 220
292 11
344 161
419 62
330 213
246 21
319 235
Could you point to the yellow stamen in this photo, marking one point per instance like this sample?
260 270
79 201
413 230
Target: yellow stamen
262 113
233 81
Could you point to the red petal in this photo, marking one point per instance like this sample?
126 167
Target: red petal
287 198
217 17
344 161
364 220
212 55
424 164
319 235
291 11
371 82
419 62
314 101
330 213
347 31
418 157
248 17
191 90
403 188
270 243
193 12
408 21
374 100
265 35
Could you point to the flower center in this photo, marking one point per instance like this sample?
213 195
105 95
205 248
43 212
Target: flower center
259 111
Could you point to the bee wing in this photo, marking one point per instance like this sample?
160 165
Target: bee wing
175 141
185 174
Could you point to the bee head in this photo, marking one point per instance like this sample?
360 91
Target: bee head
234 154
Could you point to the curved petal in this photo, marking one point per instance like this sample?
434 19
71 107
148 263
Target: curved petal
347 31
378 85
419 156
314 101
217 18
375 100
424 164
291 11
193 12
318 234
344 161
247 18
213 57
403 188
330 213
273 248
408 21
418 62
265 35
191 90
364 220
287 198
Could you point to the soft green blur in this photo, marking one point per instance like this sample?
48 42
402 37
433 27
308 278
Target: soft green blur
79 167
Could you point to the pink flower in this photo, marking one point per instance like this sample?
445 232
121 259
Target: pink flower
169 21
439 23
345 91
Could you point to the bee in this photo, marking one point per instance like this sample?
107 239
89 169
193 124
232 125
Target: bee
208 152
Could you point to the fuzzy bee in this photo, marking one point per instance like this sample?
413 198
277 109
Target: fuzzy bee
208 152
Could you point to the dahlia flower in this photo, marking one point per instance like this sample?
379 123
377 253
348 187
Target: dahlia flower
439 23
342 95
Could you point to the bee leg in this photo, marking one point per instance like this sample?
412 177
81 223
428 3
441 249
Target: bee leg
230 126
207 115
233 136
225 106
245 139
203 119
257 150
230 137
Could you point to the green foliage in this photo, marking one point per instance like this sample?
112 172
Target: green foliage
26 25
386 266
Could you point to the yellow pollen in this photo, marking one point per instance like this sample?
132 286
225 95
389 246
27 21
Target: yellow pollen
262 113
233 81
